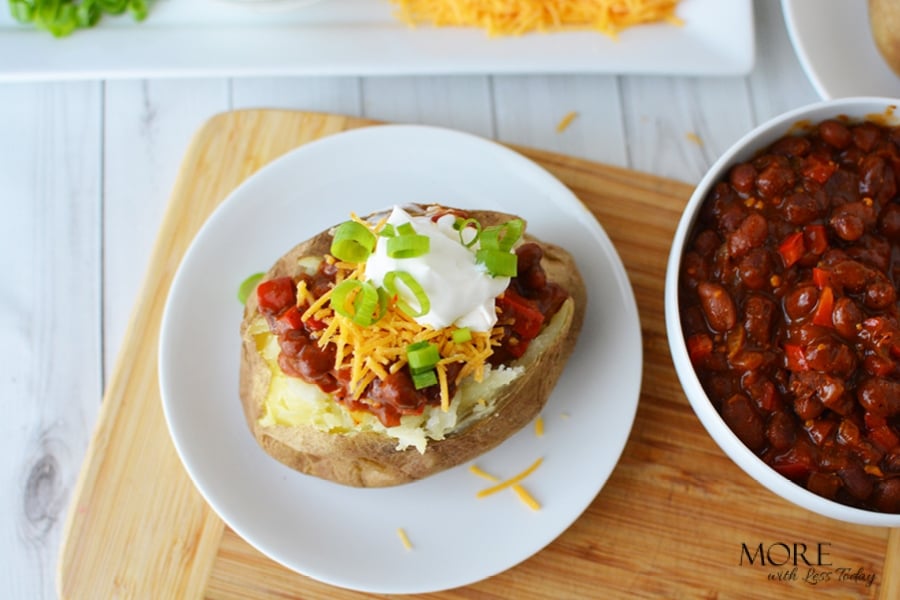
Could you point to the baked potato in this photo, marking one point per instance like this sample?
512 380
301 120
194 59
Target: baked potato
884 20
354 412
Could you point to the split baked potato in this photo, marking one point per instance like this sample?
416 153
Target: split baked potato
325 419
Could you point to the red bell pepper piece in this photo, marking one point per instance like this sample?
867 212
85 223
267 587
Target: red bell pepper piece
796 358
276 295
289 319
699 346
792 248
824 309
821 277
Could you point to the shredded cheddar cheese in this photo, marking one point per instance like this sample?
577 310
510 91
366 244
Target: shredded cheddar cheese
520 491
539 426
511 481
693 137
566 121
517 17
404 538
377 350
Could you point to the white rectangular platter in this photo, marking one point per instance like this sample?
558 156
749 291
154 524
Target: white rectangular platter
363 37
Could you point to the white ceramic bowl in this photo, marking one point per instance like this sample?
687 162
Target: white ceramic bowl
747 146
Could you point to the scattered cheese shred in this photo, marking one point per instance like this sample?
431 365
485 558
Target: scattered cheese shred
404 538
539 426
566 121
520 491
516 17
693 137
525 497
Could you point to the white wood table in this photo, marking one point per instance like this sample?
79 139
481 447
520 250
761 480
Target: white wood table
87 167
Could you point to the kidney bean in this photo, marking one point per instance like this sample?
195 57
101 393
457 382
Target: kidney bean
880 396
717 306
887 495
851 274
800 208
876 179
880 293
755 269
826 485
741 415
834 133
846 317
794 146
780 432
850 220
800 301
775 178
759 313
742 178
856 481
865 136
889 220
751 233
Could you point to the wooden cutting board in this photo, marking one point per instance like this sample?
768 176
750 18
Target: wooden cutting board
677 519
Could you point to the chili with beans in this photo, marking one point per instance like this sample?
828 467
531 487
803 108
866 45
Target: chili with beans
788 293
529 300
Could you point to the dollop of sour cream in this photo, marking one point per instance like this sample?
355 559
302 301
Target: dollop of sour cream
460 291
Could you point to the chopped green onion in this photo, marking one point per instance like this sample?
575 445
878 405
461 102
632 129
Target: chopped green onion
464 227
461 335
390 284
353 242
405 229
248 285
424 379
422 358
408 246
502 237
358 301
387 231
497 262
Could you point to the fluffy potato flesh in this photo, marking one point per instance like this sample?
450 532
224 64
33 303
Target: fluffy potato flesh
306 429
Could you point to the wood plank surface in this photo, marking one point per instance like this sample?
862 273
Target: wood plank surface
672 521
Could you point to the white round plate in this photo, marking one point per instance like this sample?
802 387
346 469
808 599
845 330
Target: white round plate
349 537
834 43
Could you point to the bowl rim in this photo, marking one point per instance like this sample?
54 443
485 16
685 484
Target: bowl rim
750 143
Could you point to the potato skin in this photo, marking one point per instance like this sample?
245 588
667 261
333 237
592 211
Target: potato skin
368 459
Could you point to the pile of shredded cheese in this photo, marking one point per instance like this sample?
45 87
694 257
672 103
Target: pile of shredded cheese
516 17
374 351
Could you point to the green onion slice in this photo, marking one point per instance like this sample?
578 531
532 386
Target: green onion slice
469 227
461 335
353 242
405 229
424 379
502 237
390 284
248 285
387 231
422 357
408 246
358 301
498 263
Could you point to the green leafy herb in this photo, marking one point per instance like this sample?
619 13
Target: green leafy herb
62 17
